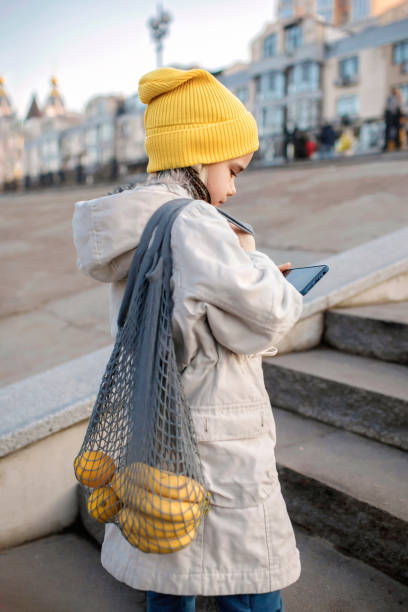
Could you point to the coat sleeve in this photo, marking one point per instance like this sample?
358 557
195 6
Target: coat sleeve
248 303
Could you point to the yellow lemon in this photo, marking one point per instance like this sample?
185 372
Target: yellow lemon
103 504
94 468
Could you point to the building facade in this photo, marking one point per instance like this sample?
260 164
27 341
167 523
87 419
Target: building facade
360 72
11 142
104 141
130 135
305 71
337 12
43 156
283 83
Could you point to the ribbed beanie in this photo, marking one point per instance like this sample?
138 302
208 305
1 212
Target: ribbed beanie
191 118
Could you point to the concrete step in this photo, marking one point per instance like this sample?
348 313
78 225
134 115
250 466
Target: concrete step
348 489
359 394
63 573
379 331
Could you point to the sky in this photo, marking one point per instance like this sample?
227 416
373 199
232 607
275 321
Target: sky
100 46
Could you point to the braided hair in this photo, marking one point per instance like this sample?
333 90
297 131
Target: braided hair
188 177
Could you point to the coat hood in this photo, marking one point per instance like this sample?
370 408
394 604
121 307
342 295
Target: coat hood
107 230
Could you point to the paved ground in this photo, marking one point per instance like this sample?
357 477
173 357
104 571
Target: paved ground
50 313
62 573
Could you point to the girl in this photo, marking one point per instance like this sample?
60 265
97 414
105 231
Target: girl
231 304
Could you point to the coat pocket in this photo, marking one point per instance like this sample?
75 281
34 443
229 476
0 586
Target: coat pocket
237 451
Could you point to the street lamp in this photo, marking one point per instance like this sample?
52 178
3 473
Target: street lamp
159 27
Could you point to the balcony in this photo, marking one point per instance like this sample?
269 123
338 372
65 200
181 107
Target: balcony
347 80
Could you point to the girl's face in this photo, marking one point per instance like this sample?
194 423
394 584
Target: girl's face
221 178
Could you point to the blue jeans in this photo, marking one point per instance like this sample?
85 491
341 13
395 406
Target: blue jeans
326 151
262 602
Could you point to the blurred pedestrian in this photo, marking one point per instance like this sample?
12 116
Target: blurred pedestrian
402 121
288 141
392 119
345 143
311 146
299 143
403 131
327 140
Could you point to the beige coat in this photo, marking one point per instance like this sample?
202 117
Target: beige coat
229 306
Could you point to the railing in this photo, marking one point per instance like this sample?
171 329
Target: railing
346 81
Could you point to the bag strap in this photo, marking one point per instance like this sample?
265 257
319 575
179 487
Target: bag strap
150 248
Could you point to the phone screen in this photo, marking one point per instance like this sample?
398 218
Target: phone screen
303 279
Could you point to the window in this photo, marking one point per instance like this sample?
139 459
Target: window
133 104
101 107
269 46
325 9
305 72
50 148
293 37
107 131
348 69
272 80
304 77
347 106
91 136
258 85
270 85
304 114
285 9
400 52
242 94
105 154
272 120
125 129
360 9
404 94
91 157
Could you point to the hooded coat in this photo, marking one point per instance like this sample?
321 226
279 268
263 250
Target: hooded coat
230 306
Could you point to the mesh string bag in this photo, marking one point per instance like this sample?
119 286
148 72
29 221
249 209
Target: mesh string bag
139 459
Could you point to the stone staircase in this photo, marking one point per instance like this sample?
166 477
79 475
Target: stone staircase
342 428
341 415
341 421
379 331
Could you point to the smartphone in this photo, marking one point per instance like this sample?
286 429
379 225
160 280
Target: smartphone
245 227
303 279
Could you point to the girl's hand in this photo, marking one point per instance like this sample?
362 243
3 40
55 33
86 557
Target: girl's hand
247 241
284 267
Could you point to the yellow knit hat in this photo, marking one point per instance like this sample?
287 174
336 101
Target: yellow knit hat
191 118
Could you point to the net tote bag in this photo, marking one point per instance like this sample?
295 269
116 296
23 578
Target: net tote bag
139 460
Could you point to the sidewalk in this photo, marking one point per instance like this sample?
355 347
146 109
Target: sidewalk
357 158
62 573
50 313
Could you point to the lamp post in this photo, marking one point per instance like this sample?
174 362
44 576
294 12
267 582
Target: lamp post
159 27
